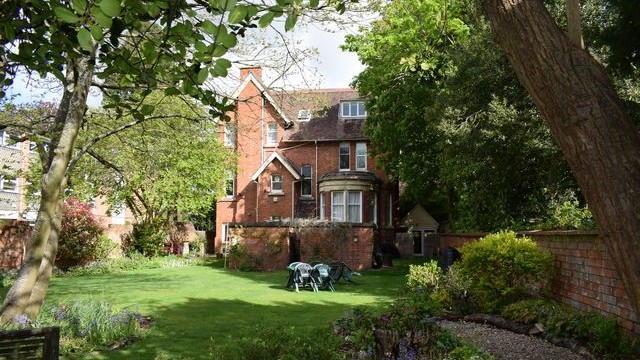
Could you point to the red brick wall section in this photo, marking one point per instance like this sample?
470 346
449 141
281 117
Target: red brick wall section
14 237
586 278
267 245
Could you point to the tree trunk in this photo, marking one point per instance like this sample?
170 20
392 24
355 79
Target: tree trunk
27 293
579 103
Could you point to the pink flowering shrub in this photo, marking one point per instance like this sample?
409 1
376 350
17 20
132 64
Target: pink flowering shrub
81 237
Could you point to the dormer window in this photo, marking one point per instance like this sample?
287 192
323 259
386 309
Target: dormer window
304 115
353 109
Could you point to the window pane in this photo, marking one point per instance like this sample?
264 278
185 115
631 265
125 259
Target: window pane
345 109
344 156
322 205
276 182
272 133
355 206
354 108
306 180
337 206
361 156
229 184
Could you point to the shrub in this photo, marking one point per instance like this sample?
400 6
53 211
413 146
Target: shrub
454 292
566 213
503 268
81 241
146 238
601 334
425 277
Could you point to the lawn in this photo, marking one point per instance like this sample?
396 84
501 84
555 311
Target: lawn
197 306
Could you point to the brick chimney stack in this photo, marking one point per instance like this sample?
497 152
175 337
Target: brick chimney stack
255 70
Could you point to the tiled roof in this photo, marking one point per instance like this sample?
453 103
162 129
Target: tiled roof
325 123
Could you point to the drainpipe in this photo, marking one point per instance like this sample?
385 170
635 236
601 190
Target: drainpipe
315 173
261 129
257 197
293 199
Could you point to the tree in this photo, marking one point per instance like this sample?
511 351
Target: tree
169 167
578 101
450 120
162 44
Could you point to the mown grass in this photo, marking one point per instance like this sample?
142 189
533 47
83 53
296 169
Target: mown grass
196 307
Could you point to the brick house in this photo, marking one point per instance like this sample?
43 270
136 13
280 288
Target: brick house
302 154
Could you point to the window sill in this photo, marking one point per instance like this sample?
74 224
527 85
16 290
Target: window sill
228 199
276 193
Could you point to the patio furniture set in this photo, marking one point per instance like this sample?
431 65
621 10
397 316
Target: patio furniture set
318 275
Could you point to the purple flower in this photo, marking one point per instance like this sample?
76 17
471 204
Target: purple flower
23 319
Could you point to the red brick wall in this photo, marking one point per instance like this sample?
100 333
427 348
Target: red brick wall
585 277
14 237
268 245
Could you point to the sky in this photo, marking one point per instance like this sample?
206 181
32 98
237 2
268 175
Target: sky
335 67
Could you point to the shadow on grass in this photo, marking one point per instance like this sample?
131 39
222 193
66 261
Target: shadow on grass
193 329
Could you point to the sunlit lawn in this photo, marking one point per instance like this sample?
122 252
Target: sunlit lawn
195 307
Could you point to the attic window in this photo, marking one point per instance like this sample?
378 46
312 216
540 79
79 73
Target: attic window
353 109
304 115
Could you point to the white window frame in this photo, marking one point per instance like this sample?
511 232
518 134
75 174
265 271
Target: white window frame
5 181
353 109
5 138
344 145
361 156
272 133
345 206
306 179
230 179
273 182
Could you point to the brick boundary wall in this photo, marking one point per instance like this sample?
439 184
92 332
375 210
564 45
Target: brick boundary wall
14 237
269 244
585 278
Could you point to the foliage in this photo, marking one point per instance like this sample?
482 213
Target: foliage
450 120
88 325
566 213
601 334
132 261
170 167
425 277
7 278
281 343
241 259
504 268
81 239
147 238
406 330
454 292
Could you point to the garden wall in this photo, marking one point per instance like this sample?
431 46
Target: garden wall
272 246
14 237
586 278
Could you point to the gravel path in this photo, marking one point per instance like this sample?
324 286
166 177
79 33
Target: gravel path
506 345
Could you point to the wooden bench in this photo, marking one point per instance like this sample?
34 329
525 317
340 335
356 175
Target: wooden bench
30 344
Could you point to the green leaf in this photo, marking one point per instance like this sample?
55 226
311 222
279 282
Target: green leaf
85 39
238 14
65 15
79 6
209 27
314 3
291 21
266 19
102 19
96 32
228 40
110 7
219 51
171 91
8 32
203 74
147 109
228 5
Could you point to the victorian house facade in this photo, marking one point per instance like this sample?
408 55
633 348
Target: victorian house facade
302 155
